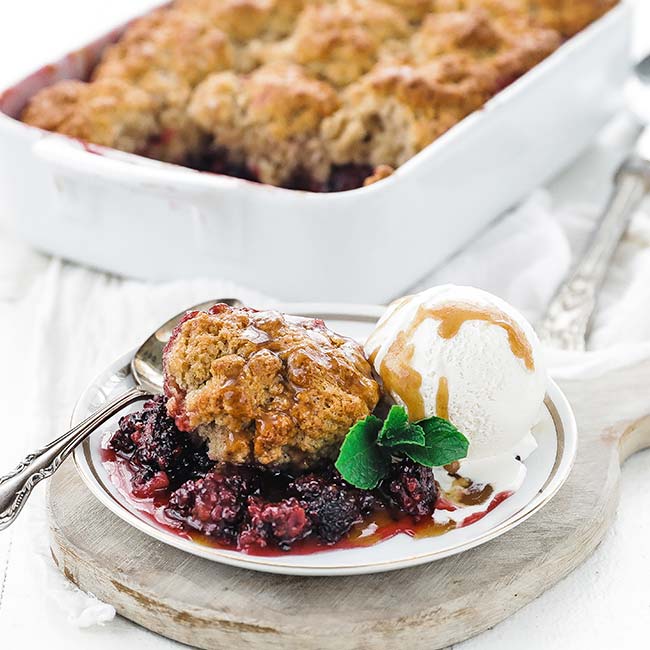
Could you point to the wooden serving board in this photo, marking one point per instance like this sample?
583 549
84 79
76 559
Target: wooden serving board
209 605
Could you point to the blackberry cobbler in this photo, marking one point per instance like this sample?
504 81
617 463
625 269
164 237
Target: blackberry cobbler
323 95
241 447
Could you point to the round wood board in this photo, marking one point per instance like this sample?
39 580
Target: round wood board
210 605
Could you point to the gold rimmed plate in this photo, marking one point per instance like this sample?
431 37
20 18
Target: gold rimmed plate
547 469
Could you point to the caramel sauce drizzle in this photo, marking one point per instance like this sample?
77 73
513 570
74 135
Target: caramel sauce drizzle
401 379
442 398
452 318
271 331
465 492
476 495
381 525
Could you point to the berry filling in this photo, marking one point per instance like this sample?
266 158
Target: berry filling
341 177
250 507
162 456
412 488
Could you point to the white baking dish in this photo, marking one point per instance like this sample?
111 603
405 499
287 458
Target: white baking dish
152 220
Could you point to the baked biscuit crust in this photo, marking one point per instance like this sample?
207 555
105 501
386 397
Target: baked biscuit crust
261 387
182 45
269 119
340 41
309 94
110 113
396 110
244 20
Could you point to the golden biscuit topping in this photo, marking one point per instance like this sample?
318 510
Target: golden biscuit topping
244 20
262 387
339 41
183 46
111 113
313 94
270 119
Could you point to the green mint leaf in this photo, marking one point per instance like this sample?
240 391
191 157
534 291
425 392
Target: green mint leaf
397 430
361 461
444 444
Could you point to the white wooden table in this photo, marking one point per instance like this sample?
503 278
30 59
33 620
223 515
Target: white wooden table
60 325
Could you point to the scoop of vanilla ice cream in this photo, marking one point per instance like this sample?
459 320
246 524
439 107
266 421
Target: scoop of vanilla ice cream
465 355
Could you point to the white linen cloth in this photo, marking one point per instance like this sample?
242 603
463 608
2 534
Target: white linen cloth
61 324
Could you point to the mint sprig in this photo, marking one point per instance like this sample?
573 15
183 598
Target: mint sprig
397 430
361 462
367 451
444 444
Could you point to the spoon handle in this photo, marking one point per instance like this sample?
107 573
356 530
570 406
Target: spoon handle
17 485
569 313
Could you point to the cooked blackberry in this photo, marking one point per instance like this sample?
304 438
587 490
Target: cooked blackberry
150 439
146 483
333 508
347 177
216 504
252 506
282 523
412 488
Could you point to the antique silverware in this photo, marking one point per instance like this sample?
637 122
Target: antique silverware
569 314
146 368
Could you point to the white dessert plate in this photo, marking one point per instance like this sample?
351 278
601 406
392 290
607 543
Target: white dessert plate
548 467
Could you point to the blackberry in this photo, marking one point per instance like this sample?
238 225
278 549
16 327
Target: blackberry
347 177
412 488
282 522
332 507
150 440
121 441
254 506
215 504
145 483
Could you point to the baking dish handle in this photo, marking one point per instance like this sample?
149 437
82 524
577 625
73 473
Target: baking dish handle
73 158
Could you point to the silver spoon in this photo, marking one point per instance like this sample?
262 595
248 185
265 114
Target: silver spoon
569 314
146 367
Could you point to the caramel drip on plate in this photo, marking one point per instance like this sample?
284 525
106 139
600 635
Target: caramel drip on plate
434 529
467 493
452 317
476 495
374 529
442 398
